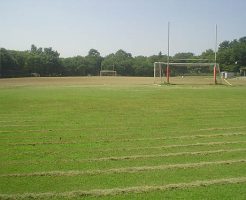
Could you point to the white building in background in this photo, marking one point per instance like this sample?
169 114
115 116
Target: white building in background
226 75
243 71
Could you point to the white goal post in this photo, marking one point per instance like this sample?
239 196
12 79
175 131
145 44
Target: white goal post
108 73
164 69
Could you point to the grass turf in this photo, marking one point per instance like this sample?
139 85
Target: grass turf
72 126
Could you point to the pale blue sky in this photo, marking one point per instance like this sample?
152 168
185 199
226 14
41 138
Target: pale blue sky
72 27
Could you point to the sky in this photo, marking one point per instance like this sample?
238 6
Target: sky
73 27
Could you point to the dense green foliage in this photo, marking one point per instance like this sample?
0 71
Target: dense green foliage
232 55
58 139
46 62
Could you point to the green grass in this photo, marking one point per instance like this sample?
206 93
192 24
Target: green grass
63 128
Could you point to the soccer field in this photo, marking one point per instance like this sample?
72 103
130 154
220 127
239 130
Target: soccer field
121 138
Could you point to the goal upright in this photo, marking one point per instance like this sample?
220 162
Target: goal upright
168 68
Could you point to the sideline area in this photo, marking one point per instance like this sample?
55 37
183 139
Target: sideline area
109 80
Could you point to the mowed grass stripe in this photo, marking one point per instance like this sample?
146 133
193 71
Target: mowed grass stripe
125 170
14 166
131 157
19 125
130 148
172 146
113 128
134 157
140 139
127 190
79 152
180 137
41 143
221 128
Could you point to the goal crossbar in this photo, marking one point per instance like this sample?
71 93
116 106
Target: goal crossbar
187 64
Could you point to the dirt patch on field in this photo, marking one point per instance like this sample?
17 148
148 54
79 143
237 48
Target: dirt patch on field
110 81
75 81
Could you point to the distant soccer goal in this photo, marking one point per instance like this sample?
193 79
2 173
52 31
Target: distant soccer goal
186 73
108 73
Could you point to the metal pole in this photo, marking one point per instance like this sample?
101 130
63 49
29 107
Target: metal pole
215 81
154 73
168 52
215 55
215 49
168 42
101 70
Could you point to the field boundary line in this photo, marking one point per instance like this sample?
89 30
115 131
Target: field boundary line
227 81
125 170
127 190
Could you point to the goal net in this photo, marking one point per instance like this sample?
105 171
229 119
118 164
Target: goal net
186 73
108 73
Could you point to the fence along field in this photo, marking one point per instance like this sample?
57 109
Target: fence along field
121 138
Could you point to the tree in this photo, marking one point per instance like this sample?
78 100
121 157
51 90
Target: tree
9 65
93 61
123 63
47 62
33 48
108 62
142 66
224 45
186 55
75 66
232 55
34 64
208 54
52 65
93 52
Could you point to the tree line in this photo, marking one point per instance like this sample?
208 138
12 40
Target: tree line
47 62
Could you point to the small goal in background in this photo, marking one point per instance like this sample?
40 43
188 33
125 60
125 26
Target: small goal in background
108 73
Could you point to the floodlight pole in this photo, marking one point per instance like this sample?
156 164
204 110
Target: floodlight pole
215 55
168 74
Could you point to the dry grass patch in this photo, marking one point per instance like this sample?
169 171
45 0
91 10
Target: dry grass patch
120 191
